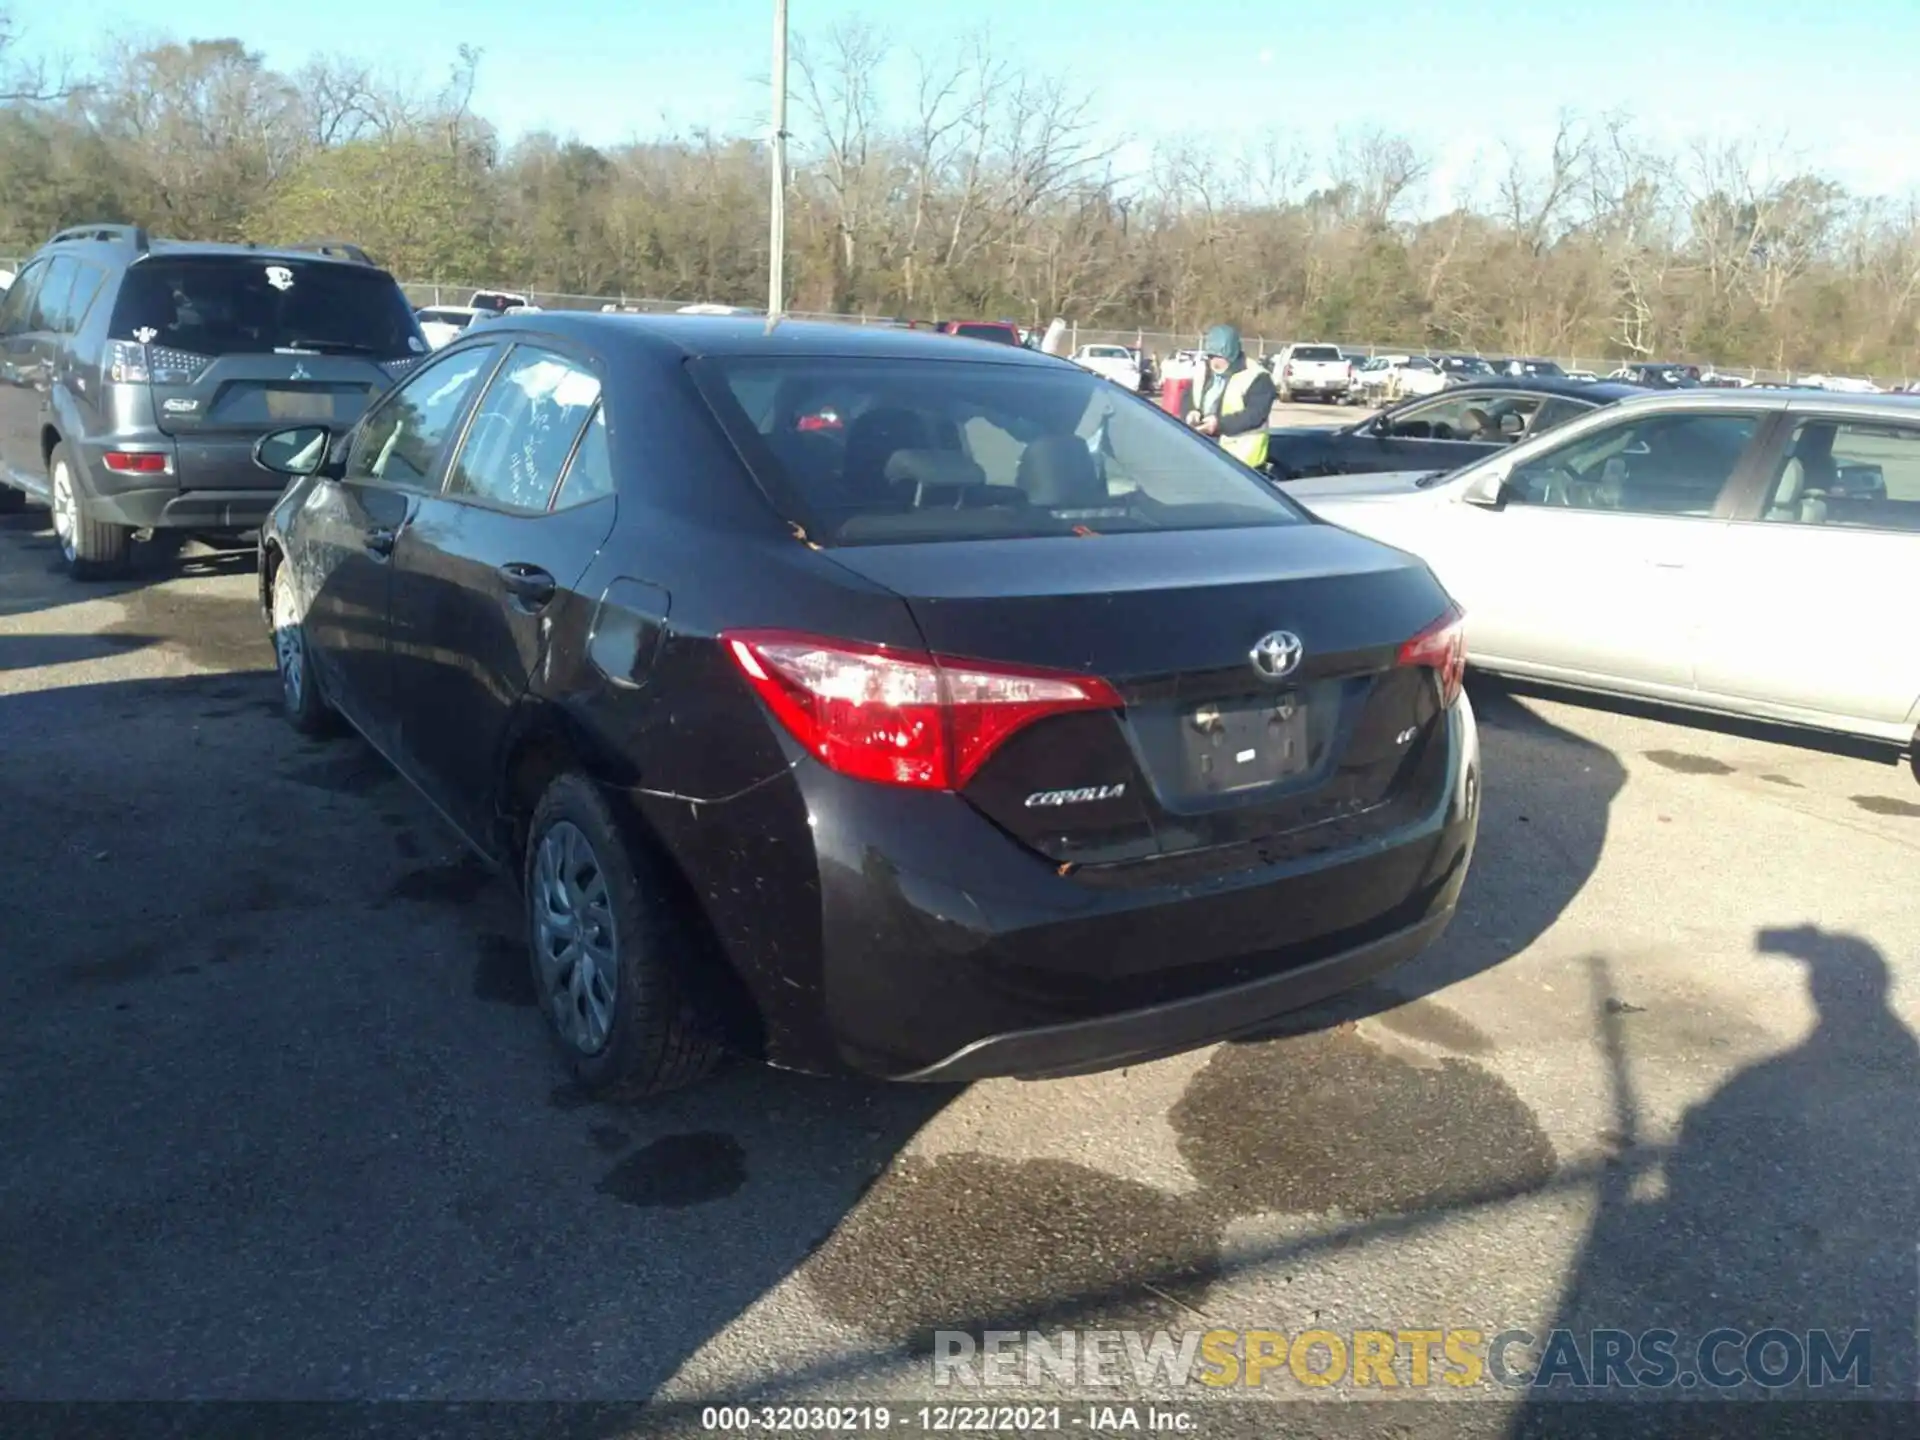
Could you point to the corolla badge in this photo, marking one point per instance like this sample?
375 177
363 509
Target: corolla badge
1277 655
1081 796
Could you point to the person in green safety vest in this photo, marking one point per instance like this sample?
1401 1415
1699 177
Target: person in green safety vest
1234 398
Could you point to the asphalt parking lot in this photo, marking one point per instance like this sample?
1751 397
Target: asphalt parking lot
281 1121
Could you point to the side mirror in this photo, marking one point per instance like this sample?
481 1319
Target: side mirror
1487 490
1512 424
298 451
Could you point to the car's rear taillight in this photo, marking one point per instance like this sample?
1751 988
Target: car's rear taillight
130 362
137 462
902 717
1442 648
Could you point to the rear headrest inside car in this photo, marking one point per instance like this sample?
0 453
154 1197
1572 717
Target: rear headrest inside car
946 469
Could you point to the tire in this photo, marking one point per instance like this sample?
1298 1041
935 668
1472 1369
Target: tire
93 549
12 501
624 1021
301 700
1286 397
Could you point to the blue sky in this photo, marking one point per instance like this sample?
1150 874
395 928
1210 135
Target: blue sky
1834 82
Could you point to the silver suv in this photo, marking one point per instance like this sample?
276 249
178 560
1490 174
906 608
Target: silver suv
136 375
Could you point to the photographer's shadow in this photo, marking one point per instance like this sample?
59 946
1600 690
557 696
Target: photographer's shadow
1785 1203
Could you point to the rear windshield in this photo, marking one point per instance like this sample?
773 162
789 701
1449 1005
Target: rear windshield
461 318
987 332
872 452
235 305
1316 352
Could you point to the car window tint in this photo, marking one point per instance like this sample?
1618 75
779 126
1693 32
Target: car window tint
50 303
1657 465
1848 474
590 473
401 441
1557 411
239 305
524 429
18 305
870 451
87 280
1464 417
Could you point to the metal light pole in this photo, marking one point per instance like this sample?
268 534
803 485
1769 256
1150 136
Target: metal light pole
777 221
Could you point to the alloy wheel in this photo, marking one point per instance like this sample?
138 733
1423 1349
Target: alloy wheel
576 947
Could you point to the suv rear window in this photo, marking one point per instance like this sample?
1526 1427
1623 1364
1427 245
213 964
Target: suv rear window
929 450
237 305
1315 352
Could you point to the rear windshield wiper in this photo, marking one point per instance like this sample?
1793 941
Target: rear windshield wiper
342 347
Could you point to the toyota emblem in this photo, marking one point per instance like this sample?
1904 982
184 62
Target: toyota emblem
1277 656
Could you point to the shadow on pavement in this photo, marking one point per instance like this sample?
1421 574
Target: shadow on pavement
281 1120
1794 1179
34 578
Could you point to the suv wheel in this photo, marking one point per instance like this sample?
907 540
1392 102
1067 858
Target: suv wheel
606 949
93 549
305 707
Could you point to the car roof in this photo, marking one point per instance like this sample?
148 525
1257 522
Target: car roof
687 336
1894 405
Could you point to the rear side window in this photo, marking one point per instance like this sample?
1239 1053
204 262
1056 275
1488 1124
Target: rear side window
1315 352
240 304
18 305
971 449
524 430
1857 474
590 475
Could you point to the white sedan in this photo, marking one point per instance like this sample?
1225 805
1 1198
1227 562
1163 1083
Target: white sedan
1748 552
1115 362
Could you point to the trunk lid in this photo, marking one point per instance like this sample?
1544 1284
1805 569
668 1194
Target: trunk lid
1210 752
252 394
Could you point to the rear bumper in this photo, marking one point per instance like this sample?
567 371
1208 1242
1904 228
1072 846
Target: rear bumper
171 508
902 935
1137 1035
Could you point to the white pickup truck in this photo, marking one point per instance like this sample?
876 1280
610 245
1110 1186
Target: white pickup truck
1320 371
1116 362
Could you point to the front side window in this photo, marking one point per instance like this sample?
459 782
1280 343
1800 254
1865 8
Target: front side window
523 430
1653 465
1483 419
400 442
1848 473
51 303
969 450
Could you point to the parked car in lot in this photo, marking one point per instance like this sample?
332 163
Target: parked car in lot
498 302
1661 375
1529 368
135 375
1749 552
1116 362
1462 424
1462 369
997 332
1013 729
1319 371
442 323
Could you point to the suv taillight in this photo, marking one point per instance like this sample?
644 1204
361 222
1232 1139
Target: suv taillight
1442 648
902 717
130 362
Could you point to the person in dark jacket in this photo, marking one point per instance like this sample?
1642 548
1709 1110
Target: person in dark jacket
1234 399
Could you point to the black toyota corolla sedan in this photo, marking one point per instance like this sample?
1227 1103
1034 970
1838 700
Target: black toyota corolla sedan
997 725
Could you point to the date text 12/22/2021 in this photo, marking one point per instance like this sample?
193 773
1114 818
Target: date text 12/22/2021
944 1419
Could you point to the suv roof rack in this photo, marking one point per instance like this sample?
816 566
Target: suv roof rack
334 250
133 235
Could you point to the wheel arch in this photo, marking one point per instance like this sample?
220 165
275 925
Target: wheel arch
544 741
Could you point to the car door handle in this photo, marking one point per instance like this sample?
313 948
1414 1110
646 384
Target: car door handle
529 586
380 541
